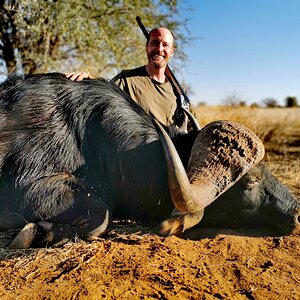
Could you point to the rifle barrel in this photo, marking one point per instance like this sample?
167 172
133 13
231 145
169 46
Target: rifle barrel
143 28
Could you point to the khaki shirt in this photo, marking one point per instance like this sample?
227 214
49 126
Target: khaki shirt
157 99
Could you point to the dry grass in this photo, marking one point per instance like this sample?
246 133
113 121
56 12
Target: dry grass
286 168
276 125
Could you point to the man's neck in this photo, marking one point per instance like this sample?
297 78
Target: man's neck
156 74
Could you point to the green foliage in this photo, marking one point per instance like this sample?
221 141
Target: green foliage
97 36
291 101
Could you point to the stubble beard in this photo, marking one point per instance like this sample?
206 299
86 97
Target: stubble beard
157 64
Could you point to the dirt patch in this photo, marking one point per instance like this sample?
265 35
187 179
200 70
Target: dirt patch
151 267
133 264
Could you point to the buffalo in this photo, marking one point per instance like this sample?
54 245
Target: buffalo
76 155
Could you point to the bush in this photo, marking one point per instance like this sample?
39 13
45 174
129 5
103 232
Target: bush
270 102
291 101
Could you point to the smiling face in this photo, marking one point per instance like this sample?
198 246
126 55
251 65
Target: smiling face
160 47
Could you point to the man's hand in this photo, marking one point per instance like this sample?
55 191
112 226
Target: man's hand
77 76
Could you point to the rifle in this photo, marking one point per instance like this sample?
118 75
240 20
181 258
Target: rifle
184 99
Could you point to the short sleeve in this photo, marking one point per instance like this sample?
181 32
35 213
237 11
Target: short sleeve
120 80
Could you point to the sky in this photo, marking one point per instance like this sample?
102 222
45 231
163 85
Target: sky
247 48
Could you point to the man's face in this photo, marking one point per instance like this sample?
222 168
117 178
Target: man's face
160 47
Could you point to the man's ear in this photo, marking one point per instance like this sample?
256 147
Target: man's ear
146 46
172 52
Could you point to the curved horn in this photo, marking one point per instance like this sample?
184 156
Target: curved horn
193 120
221 154
180 188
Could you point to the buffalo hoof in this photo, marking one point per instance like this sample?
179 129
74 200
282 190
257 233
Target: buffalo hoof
178 222
102 229
25 237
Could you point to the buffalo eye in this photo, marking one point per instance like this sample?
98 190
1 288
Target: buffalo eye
252 183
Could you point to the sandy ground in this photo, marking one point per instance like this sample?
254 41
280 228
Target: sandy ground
133 264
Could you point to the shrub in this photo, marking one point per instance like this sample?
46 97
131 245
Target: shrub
291 101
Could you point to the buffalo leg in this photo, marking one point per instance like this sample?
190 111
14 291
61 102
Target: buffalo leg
83 222
68 208
87 218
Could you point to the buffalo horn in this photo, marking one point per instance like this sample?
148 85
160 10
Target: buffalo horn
180 188
193 120
221 154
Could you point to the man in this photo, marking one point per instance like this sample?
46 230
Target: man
148 85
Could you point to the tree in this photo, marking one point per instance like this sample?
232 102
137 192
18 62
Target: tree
100 36
270 102
291 101
254 105
233 99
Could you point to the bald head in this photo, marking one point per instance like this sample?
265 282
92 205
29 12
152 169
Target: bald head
161 31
